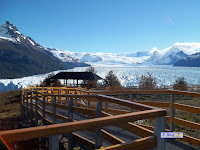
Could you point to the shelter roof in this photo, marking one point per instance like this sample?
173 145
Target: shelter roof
77 76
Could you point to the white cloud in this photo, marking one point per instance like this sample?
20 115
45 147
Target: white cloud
170 20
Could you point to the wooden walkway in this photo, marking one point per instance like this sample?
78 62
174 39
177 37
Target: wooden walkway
87 121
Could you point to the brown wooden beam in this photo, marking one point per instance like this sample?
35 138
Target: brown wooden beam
140 144
187 108
125 103
155 104
56 129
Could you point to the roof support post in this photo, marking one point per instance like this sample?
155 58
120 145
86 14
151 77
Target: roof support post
98 138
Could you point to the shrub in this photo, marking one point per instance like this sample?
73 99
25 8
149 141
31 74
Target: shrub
112 80
180 84
50 82
90 69
147 82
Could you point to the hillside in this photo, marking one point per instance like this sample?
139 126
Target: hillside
21 56
190 61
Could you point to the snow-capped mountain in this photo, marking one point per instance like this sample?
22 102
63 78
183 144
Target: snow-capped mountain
102 58
139 54
9 32
173 54
64 56
190 61
21 56
167 56
90 58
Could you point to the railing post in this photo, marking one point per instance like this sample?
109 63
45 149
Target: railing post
54 140
70 117
160 127
105 106
66 99
31 108
75 100
88 102
22 107
27 110
98 136
43 110
59 98
131 98
172 112
36 109
53 101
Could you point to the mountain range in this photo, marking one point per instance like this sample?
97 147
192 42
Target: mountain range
21 56
167 56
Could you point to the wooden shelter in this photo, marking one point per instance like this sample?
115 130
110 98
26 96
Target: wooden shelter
76 76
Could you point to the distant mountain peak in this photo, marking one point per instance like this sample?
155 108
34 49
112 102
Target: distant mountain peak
7 22
10 32
11 26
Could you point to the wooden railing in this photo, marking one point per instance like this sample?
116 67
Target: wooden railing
172 105
34 102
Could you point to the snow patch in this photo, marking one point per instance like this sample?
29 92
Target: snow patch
31 42
4 34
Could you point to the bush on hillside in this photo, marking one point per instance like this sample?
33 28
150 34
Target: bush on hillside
147 82
180 84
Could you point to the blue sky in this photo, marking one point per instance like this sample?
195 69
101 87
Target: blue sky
115 26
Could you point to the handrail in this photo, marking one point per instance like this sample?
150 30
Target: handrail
56 129
188 108
125 103
107 99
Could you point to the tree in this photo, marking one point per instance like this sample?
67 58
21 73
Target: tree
147 82
50 82
180 84
88 83
90 69
112 80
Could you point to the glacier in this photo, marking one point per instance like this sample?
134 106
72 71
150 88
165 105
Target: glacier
129 75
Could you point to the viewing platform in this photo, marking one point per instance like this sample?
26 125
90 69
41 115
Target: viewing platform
88 120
